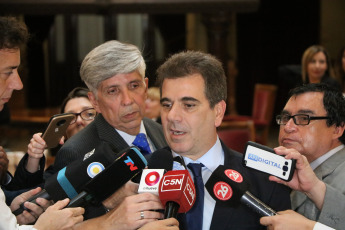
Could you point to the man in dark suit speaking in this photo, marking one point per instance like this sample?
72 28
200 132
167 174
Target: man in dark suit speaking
193 94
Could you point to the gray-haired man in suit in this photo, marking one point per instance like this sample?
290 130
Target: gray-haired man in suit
115 74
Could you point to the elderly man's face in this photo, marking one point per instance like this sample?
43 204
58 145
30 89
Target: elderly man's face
315 139
9 77
121 100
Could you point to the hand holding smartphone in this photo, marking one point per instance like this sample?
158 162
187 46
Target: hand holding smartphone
56 128
264 159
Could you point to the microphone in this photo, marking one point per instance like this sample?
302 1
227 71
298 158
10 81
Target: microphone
177 192
229 186
118 173
69 181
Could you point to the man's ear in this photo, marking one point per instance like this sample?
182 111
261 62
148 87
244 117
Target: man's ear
219 110
93 101
338 131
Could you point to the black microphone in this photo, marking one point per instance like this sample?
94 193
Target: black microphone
118 173
69 181
230 187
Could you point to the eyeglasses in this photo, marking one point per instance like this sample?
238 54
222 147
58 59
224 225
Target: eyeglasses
86 115
298 119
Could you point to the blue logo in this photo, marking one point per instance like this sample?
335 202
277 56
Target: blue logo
254 157
94 168
130 163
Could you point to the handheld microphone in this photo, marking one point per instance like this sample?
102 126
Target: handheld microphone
118 173
69 181
177 192
230 187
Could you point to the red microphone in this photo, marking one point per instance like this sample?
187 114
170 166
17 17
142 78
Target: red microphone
177 192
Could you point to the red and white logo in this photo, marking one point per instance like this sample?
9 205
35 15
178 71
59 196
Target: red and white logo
173 182
222 191
189 191
152 178
234 175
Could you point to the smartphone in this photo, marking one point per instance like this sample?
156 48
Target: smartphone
56 128
264 159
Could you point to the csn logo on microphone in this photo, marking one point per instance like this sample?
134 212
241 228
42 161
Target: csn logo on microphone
150 179
264 159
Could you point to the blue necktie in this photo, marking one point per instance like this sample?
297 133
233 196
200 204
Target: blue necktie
195 214
142 143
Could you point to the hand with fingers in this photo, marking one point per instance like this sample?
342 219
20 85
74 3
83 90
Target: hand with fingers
35 210
136 210
304 178
55 217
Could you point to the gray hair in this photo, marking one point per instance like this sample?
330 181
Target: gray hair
109 59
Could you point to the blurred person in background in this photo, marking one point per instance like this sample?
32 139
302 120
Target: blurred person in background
153 105
317 67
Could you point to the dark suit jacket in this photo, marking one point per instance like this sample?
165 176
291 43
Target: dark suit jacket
96 132
224 217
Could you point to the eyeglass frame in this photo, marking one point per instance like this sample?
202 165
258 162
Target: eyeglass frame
79 114
310 118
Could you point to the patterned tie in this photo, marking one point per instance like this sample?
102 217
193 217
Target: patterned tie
142 143
195 214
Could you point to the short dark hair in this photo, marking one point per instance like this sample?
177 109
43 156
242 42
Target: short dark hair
333 102
75 93
195 62
13 33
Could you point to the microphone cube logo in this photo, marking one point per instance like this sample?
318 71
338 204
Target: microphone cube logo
94 168
234 175
152 178
222 191
173 182
149 181
189 191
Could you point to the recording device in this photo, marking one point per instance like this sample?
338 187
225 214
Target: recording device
69 181
230 187
177 192
118 173
150 179
56 128
264 159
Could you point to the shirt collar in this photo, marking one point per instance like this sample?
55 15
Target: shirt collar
316 163
211 159
130 138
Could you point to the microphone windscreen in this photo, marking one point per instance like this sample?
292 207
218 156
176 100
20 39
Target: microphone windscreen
177 186
70 181
161 159
226 186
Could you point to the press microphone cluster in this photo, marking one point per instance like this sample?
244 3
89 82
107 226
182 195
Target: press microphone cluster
230 187
175 188
83 176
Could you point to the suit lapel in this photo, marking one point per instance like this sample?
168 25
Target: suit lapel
326 168
109 134
223 214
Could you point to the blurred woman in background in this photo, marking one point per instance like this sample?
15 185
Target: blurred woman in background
317 67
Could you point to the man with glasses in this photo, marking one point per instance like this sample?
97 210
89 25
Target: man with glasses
312 123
